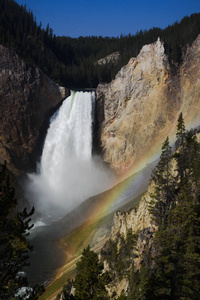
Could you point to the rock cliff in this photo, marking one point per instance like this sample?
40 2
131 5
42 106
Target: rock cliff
27 99
139 108
136 219
139 220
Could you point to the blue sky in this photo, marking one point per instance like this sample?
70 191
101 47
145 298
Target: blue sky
76 18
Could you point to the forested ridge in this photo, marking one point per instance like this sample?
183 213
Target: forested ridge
169 266
72 61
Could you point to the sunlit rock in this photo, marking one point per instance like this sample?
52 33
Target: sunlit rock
140 107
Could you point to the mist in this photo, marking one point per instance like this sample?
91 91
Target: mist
68 174
69 186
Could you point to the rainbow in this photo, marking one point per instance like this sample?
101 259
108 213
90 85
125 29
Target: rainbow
117 195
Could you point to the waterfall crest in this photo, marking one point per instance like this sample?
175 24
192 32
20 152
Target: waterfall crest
68 174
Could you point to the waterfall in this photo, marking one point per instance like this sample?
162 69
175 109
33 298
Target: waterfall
69 138
68 174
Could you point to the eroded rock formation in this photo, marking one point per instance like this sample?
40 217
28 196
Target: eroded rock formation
27 99
139 220
140 107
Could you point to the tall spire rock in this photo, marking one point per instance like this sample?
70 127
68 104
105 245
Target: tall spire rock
139 108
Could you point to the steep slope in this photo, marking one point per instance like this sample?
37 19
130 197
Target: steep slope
27 99
140 107
170 219
190 85
139 221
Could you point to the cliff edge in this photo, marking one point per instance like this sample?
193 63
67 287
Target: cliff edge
27 99
139 108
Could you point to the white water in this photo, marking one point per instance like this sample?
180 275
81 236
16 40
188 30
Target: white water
68 174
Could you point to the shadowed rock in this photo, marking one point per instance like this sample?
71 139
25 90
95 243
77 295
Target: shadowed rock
27 99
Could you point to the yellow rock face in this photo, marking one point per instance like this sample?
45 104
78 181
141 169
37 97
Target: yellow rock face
190 85
142 104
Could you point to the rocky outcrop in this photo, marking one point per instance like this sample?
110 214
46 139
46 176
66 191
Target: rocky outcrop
140 107
111 58
136 219
27 99
139 220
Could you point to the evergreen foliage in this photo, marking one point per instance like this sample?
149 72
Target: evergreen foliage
170 269
90 282
180 155
120 258
66 292
14 247
173 271
72 61
164 186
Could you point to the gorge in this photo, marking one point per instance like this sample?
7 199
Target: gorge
76 192
137 110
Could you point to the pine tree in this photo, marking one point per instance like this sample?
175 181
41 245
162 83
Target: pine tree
180 154
164 185
90 281
177 264
14 247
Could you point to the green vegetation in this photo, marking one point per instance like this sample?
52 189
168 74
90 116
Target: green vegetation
58 285
164 186
72 61
169 267
74 243
170 270
14 247
120 258
89 281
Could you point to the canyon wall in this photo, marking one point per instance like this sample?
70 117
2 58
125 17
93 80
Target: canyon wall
135 112
27 99
139 220
140 107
